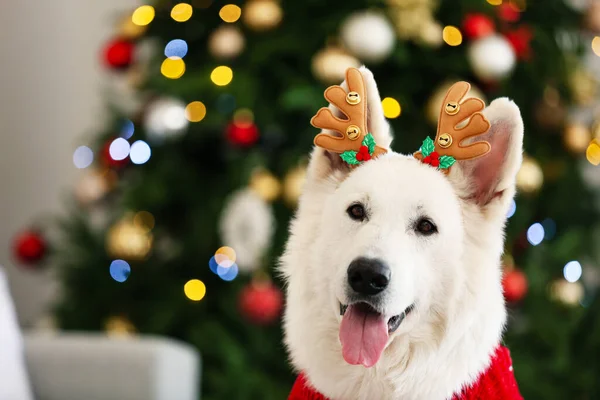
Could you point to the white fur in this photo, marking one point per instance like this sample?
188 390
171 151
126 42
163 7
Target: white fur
453 276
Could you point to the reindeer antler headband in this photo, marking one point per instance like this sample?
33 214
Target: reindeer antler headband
356 145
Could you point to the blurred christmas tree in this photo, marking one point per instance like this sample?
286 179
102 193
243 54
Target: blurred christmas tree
205 148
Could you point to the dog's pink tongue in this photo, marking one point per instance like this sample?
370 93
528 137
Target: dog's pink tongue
363 336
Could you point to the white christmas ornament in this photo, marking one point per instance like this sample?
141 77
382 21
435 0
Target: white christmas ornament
491 57
368 35
331 63
247 225
165 118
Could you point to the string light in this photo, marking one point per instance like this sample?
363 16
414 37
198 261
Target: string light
173 68
512 209
391 107
592 152
119 149
452 35
176 48
143 15
221 76
224 254
140 152
230 13
213 264
495 2
194 289
182 12
535 234
83 157
195 111
572 271
228 274
127 129
120 270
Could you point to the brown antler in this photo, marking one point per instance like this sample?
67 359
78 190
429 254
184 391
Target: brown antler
449 138
353 105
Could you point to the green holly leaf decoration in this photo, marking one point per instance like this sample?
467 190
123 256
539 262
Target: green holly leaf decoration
427 147
446 162
369 141
350 157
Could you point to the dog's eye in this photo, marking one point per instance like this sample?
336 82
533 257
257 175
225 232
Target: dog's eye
356 212
426 227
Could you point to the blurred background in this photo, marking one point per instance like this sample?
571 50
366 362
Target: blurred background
153 154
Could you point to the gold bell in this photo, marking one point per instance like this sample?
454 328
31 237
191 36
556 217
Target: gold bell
452 108
353 98
445 140
353 132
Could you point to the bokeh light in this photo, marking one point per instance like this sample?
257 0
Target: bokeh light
127 129
596 45
391 107
512 209
144 220
176 48
119 149
452 35
228 273
535 234
194 289
173 68
549 228
572 271
143 15
230 13
182 12
495 2
225 257
83 157
140 152
195 111
213 264
592 152
120 270
221 75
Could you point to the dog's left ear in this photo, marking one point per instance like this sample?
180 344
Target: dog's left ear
492 177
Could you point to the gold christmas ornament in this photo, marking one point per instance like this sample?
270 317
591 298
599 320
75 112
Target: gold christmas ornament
435 102
262 15
530 177
293 184
119 327
129 240
265 185
431 34
330 64
226 42
568 293
577 137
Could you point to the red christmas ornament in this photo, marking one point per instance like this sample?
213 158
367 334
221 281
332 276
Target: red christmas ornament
108 161
520 40
507 12
477 25
29 247
514 285
118 53
261 302
242 134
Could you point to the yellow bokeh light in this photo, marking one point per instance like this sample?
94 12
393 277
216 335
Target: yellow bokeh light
143 15
182 12
593 152
391 107
195 111
495 2
221 75
227 252
596 45
230 13
452 35
173 67
195 289
144 220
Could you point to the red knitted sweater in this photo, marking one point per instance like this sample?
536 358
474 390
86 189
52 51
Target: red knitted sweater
496 383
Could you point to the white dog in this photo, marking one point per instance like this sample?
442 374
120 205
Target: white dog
393 268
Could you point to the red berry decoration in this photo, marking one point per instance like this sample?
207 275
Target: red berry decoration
242 134
261 302
520 40
118 54
507 12
363 154
477 25
433 159
108 161
514 285
29 247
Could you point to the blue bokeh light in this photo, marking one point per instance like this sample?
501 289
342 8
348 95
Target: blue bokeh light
572 271
535 234
512 209
120 270
176 48
83 157
228 274
140 152
127 129
213 265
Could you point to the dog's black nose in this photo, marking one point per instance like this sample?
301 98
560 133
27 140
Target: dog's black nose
368 276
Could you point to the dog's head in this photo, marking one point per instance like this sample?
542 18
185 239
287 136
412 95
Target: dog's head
385 243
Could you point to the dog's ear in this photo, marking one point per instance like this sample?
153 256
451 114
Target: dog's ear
328 164
493 176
